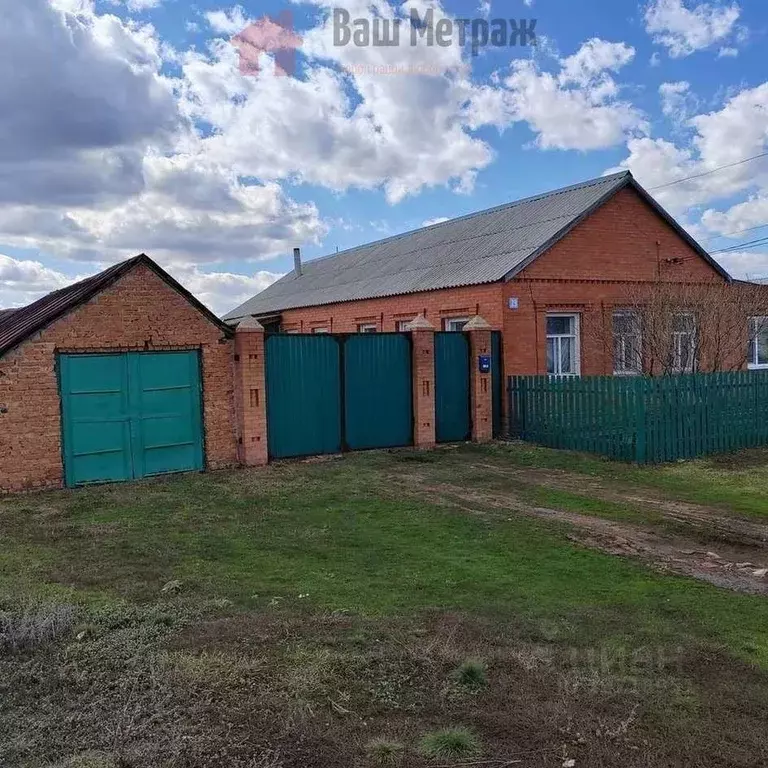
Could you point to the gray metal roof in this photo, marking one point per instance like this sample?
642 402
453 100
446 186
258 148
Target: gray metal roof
481 247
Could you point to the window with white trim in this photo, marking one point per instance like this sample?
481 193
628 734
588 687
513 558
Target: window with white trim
627 343
402 325
367 328
683 342
563 347
320 330
455 323
757 356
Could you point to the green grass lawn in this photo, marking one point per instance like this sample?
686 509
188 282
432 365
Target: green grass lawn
296 544
737 483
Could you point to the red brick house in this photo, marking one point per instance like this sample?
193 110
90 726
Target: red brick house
122 375
543 270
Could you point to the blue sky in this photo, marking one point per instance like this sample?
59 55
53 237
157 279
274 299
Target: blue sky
129 126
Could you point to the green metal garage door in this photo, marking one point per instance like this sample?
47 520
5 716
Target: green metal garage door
131 415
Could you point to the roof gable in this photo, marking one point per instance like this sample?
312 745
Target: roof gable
482 247
18 325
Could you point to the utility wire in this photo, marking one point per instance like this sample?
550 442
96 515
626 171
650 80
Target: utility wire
709 173
737 232
743 246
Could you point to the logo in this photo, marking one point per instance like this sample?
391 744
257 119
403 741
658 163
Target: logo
268 35
430 31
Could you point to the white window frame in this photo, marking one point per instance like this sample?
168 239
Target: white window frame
448 323
401 326
638 319
320 329
367 328
576 317
677 348
754 364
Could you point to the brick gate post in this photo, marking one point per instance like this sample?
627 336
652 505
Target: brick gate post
250 393
423 372
480 383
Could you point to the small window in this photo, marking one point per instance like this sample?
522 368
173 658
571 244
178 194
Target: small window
402 325
320 330
757 356
683 342
455 323
563 345
367 328
627 343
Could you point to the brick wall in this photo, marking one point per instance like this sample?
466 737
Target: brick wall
618 252
435 305
139 312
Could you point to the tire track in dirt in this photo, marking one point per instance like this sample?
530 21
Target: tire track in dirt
710 521
740 565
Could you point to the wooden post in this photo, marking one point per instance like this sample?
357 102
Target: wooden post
250 393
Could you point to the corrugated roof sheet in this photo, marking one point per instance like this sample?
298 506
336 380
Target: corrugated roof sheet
479 248
19 324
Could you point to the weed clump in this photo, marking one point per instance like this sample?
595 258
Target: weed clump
471 673
383 751
450 743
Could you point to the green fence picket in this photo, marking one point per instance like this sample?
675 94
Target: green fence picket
642 419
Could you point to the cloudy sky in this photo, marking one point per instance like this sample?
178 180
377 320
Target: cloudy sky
131 126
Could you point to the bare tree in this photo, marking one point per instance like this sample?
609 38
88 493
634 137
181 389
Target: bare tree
667 328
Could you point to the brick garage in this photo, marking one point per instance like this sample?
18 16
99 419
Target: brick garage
614 242
134 306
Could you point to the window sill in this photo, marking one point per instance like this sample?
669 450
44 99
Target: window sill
753 367
627 373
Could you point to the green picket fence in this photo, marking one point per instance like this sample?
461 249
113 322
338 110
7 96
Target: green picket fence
647 420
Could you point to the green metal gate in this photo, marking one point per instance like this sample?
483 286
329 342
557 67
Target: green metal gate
130 415
452 409
497 381
303 395
327 393
377 386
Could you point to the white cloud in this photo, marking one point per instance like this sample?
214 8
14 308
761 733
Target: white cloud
728 52
97 161
188 210
221 291
228 22
363 117
745 265
577 108
682 30
677 101
742 216
142 5
22 281
436 220
737 131
75 133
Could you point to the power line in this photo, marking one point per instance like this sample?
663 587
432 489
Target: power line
737 232
709 173
743 246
